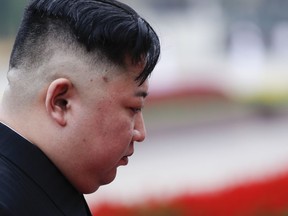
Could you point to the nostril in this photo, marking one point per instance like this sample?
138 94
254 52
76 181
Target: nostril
139 136
139 129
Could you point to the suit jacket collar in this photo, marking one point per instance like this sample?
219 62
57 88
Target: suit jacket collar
34 163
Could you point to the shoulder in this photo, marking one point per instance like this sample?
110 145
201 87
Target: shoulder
12 187
4 211
18 192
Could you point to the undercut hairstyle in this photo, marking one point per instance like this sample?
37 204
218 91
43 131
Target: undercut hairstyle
107 27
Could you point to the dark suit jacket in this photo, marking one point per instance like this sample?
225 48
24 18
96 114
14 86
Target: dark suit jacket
30 184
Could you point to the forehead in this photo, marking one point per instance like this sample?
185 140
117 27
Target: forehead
136 67
126 86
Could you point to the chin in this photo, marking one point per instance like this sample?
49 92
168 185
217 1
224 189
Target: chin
93 186
109 178
89 190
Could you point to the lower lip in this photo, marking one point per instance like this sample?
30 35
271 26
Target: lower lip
124 161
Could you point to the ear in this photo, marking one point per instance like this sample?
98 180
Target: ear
58 98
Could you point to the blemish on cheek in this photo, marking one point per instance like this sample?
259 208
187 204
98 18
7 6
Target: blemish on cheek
91 80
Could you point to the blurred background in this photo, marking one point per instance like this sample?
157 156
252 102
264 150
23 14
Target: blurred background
217 115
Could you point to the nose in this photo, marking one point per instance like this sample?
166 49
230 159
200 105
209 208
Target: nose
139 132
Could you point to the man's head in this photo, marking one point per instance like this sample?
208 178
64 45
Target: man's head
77 83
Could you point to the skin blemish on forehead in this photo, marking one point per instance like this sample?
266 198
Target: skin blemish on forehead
105 79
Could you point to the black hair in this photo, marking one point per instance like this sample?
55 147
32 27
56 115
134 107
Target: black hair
108 26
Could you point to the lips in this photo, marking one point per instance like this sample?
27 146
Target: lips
129 155
124 160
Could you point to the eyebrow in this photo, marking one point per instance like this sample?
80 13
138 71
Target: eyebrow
143 94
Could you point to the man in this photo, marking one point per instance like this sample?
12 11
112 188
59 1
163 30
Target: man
72 109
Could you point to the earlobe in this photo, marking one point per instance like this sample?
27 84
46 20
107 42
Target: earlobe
57 100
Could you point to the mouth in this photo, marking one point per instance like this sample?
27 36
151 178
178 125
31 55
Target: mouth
125 160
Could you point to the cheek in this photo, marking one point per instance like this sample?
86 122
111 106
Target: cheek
105 126
111 131
103 140
115 123
117 134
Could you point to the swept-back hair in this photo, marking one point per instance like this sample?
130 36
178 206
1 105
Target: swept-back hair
107 26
